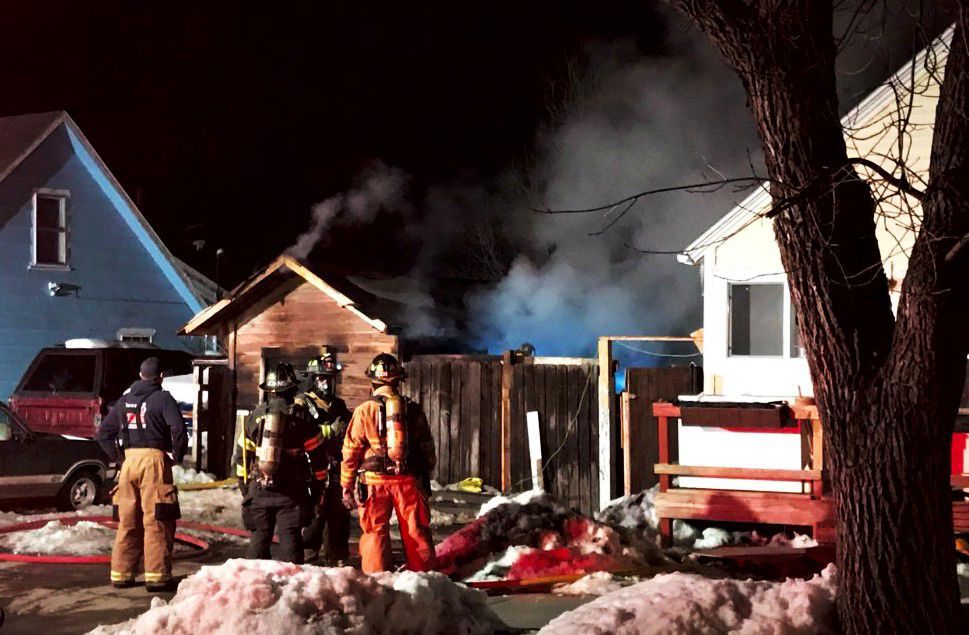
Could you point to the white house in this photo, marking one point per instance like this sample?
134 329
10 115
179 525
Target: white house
750 341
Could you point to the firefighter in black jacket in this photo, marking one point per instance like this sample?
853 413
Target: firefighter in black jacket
148 423
279 461
330 413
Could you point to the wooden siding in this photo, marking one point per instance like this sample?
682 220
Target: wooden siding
299 323
120 283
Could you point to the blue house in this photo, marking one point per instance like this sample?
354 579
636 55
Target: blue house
77 258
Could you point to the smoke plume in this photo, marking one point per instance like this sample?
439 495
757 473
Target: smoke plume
638 123
379 188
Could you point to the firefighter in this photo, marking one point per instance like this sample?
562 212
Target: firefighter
388 455
279 458
330 413
148 423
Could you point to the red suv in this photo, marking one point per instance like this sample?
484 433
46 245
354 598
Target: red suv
69 390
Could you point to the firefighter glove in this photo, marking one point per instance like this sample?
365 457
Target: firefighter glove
349 500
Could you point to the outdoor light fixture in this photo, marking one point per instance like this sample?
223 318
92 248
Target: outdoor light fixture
62 289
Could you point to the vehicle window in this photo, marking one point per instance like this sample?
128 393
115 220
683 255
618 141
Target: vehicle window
6 426
62 373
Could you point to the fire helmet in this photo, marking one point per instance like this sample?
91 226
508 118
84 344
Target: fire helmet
385 369
279 379
323 364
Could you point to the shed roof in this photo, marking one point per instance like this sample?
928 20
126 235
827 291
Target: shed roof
752 207
284 271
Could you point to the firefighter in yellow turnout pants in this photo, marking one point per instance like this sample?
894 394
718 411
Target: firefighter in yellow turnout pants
149 424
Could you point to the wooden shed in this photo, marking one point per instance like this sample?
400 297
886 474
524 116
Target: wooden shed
287 312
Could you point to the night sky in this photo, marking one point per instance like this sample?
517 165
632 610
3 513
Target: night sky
226 122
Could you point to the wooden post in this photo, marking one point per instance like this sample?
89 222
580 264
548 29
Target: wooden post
607 391
817 457
535 449
507 377
665 524
627 445
198 374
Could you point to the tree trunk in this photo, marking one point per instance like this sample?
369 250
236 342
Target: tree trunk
887 391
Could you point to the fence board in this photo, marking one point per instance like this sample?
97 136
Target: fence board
462 399
650 385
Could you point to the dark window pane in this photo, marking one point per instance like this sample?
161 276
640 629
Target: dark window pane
48 213
49 247
740 319
63 373
756 319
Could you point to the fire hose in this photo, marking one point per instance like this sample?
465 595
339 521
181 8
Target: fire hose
201 547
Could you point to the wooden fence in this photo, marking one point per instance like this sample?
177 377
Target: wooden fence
639 432
462 397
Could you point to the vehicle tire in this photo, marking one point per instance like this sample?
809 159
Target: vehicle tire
79 491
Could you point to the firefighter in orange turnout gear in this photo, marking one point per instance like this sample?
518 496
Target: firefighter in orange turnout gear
388 455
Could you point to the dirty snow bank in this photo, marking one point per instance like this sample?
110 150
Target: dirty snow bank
598 583
13 518
188 476
263 597
85 538
688 603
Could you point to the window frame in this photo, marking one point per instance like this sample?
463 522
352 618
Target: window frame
63 197
787 324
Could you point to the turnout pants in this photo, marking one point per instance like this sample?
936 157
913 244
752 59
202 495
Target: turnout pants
266 513
146 504
333 517
403 495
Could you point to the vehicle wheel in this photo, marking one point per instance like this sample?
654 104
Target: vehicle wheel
80 491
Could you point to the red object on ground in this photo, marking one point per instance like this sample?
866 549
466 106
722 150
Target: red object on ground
560 562
462 546
200 544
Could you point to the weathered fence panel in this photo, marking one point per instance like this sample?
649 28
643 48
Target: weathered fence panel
645 386
461 396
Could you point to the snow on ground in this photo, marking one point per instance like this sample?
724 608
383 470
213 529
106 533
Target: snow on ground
84 538
689 603
12 518
531 496
221 506
598 583
189 476
263 597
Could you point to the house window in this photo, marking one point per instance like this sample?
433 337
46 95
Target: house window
757 319
763 321
50 229
136 335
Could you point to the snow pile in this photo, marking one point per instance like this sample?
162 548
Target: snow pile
188 476
85 538
525 498
13 518
598 583
262 596
688 603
